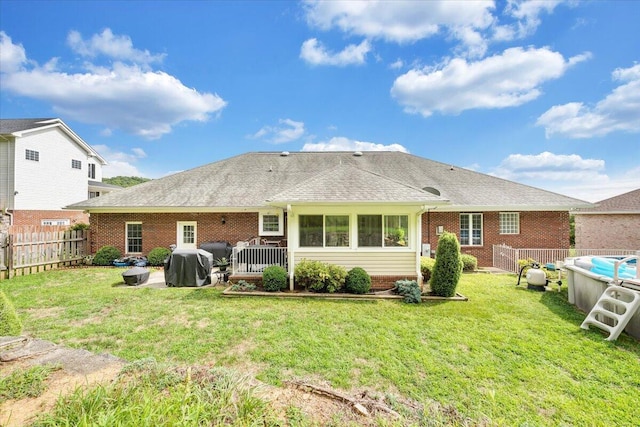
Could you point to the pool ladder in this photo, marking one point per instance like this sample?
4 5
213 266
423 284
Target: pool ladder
617 305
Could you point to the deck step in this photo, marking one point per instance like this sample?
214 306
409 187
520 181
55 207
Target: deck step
617 305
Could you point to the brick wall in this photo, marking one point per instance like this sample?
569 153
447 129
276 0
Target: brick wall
608 231
537 230
160 229
35 217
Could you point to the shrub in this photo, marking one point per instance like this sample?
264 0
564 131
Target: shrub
106 255
243 286
274 278
79 226
158 255
426 267
9 321
336 276
469 262
410 290
318 276
448 267
357 281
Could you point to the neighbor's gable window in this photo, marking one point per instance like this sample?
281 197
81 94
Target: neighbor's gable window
76 164
92 170
134 237
271 224
509 223
471 229
32 155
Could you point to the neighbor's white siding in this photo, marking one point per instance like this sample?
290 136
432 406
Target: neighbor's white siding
50 183
6 173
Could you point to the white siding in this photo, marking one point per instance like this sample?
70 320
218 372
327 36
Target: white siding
6 174
50 183
375 263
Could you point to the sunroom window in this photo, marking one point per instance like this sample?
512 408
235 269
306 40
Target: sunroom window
371 232
336 230
310 230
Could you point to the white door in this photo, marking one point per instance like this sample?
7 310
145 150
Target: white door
187 234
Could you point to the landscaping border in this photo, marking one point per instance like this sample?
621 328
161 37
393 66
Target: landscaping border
335 296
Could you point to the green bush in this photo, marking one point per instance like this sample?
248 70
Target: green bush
158 255
274 278
10 324
426 267
106 255
469 262
357 281
318 276
448 267
79 226
243 286
410 290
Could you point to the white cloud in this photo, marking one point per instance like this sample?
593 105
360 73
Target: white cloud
110 45
129 97
568 174
315 53
527 13
397 64
12 56
119 162
340 143
503 80
618 111
289 131
398 21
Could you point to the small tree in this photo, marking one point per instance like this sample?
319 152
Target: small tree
358 281
448 267
10 324
274 278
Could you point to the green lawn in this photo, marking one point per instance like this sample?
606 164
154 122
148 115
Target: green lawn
506 357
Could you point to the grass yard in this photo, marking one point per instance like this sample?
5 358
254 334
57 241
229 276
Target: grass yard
506 357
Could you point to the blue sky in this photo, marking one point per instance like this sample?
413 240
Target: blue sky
542 93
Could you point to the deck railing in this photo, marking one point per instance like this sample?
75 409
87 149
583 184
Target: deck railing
252 260
506 258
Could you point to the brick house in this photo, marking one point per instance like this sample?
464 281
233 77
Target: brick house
613 223
45 166
376 210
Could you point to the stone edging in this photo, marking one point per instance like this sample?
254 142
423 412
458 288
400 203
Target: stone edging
337 296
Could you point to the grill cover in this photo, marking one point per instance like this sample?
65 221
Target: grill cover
135 276
218 249
188 267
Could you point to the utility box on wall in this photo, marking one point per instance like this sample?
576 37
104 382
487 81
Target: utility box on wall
426 250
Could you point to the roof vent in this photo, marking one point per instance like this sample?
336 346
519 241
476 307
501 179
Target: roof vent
432 190
284 154
358 154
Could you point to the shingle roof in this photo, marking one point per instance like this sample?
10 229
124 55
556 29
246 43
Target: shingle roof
623 203
9 126
250 180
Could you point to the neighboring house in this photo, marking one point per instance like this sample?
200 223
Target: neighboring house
376 210
45 166
613 224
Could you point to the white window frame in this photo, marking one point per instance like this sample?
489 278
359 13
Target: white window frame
76 164
279 232
32 155
126 236
470 229
55 222
92 170
180 234
509 223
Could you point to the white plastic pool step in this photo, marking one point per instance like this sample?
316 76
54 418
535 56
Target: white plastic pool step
614 300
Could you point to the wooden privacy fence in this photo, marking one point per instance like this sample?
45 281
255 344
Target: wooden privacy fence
26 250
506 258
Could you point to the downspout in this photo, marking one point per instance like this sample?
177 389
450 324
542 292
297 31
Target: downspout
290 253
419 213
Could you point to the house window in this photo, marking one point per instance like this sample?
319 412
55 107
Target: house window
271 224
93 194
336 230
92 171
32 155
310 230
396 230
509 223
55 222
370 230
134 237
471 229
76 164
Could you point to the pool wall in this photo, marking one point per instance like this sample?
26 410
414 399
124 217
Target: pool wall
585 288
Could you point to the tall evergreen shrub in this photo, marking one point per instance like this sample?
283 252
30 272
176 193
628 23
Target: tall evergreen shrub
10 324
448 267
